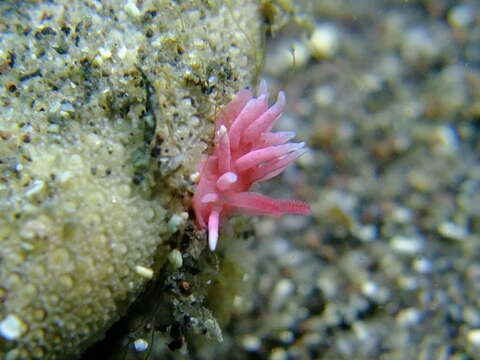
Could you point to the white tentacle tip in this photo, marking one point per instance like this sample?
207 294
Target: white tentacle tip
225 181
212 240
263 89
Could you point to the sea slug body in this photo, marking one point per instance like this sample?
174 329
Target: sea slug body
246 151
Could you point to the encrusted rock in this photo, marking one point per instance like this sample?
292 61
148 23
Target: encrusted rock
105 110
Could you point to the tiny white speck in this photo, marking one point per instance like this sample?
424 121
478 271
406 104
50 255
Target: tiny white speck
104 53
409 317
64 177
122 52
474 336
406 245
140 345
222 131
195 177
11 328
143 271
370 288
251 343
36 187
132 10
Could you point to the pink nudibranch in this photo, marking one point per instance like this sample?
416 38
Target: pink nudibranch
246 151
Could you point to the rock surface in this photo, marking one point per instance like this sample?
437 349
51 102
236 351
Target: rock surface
106 108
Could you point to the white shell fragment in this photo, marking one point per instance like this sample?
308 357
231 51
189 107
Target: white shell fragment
143 271
12 327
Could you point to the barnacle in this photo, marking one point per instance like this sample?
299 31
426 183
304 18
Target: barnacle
246 151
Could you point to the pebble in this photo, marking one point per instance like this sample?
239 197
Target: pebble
278 354
406 245
409 317
176 221
283 289
175 258
281 61
446 139
471 315
462 15
473 336
423 265
140 345
452 231
251 343
366 233
325 40
374 291
419 46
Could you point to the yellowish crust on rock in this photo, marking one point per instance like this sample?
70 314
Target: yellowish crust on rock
105 111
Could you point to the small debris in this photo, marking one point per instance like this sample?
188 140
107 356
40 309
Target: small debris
140 345
406 245
132 10
251 343
175 258
474 337
176 221
12 327
143 271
